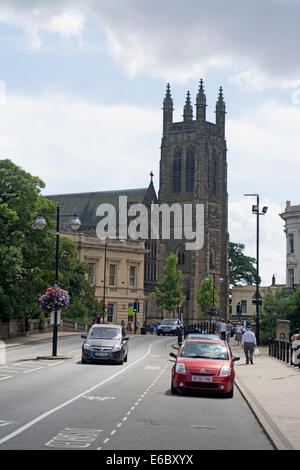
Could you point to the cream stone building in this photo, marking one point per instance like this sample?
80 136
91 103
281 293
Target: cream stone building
291 217
243 295
117 273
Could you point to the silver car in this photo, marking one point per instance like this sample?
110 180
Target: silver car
169 326
105 342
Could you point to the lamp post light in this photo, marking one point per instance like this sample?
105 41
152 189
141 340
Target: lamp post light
106 243
257 297
41 223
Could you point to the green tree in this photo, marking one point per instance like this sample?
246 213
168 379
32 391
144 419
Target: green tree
293 309
27 256
169 289
206 297
242 268
274 307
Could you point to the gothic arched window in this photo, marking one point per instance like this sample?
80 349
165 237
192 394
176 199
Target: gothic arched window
177 170
189 168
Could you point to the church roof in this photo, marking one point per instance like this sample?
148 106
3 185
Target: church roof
84 205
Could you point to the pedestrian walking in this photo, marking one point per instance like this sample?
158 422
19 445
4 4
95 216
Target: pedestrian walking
222 329
249 344
238 333
296 335
27 325
228 331
129 326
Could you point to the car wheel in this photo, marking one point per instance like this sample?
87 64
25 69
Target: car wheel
174 390
158 333
121 361
230 394
83 361
126 358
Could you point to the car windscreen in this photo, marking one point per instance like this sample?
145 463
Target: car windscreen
169 322
204 350
105 333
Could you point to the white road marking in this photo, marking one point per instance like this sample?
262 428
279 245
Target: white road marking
72 400
55 363
6 377
32 370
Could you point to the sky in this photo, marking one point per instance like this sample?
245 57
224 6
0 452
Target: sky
82 84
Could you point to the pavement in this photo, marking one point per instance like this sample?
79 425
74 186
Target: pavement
270 387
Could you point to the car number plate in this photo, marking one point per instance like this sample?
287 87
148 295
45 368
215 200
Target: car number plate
101 354
201 379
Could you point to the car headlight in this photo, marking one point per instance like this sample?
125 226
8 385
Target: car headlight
180 368
86 346
118 347
226 370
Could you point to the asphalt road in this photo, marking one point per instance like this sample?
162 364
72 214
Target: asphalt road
63 404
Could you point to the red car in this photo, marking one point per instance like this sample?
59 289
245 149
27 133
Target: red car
204 364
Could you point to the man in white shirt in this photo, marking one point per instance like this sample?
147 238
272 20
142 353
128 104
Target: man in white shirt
249 342
221 329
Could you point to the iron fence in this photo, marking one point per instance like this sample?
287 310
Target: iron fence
285 351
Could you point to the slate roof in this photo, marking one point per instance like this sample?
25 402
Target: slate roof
84 205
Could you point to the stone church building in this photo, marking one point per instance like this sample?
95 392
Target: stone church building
193 170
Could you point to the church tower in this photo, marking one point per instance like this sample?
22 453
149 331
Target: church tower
193 170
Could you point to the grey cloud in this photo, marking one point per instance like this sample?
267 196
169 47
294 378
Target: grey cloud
176 37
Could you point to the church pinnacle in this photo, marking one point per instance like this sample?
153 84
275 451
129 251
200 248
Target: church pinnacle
167 109
188 109
201 103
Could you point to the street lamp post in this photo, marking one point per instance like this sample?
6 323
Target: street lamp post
255 210
40 223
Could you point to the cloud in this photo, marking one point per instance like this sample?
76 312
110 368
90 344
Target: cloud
256 42
264 149
76 146
242 229
35 17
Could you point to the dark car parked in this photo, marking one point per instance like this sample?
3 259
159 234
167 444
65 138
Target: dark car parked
169 326
105 342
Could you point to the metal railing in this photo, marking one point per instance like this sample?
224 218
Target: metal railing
284 351
200 327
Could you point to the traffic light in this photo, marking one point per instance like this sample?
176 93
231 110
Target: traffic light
136 306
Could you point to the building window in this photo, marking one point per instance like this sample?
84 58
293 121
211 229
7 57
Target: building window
112 275
244 306
110 313
132 280
177 171
291 243
189 169
91 274
291 278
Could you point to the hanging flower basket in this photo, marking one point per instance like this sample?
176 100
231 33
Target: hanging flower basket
213 311
54 298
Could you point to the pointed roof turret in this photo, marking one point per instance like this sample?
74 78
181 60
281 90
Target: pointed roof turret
188 109
220 105
201 103
201 98
168 102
